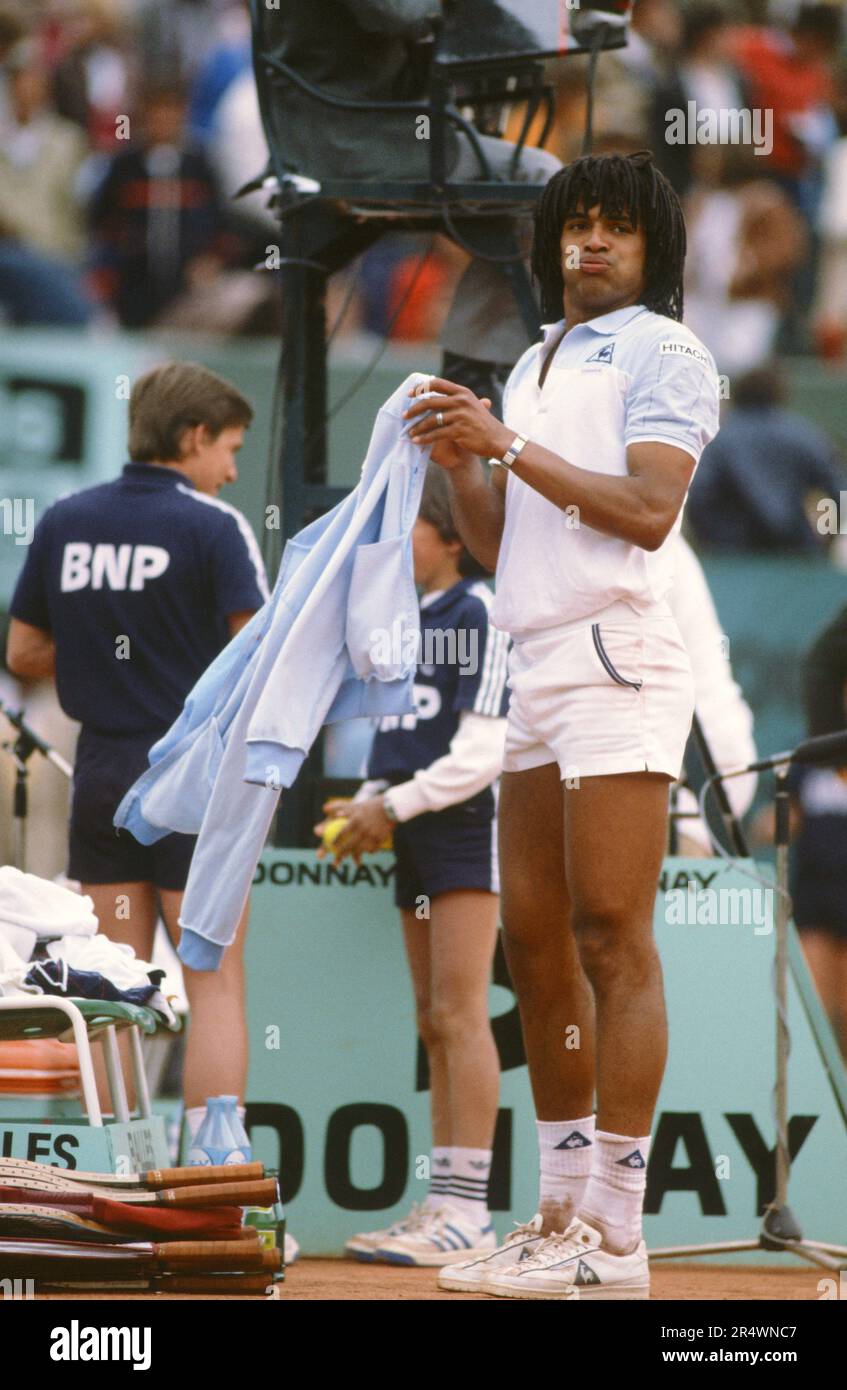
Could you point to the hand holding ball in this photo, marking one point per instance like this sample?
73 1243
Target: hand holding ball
334 827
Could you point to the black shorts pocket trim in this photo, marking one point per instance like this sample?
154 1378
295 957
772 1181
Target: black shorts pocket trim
604 657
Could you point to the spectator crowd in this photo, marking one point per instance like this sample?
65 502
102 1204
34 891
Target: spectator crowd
129 125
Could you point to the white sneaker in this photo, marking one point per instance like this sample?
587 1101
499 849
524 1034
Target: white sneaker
365 1245
472 1276
445 1235
573 1266
291 1250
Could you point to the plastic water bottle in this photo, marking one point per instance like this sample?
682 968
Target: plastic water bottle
242 1151
215 1142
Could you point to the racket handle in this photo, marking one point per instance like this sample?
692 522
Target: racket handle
261 1193
196 1176
229 1256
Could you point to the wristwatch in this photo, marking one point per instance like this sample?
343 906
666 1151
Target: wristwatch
512 452
388 809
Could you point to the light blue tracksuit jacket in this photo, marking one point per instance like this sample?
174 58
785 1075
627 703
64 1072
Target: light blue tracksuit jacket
305 659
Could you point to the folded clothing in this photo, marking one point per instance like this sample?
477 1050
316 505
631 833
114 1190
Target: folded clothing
57 977
35 906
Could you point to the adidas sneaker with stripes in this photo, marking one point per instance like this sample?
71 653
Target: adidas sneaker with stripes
443 1237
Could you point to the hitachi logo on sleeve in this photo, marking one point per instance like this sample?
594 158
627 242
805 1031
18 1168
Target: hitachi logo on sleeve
77 1343
118 567
684 349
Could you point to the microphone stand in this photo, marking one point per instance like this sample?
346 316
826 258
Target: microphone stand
21 750
780 1228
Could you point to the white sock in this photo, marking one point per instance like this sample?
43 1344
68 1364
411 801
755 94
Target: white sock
440 1165
614 1197
467 1188
565 1148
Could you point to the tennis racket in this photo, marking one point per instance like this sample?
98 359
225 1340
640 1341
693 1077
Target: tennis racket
59 1258
153 1179
258 1193
139 1223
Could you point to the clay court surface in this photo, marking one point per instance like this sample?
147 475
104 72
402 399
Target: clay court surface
340 1279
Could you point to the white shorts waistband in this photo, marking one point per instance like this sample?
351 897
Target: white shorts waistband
617 611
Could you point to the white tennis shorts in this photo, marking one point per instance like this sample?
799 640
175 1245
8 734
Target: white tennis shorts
610 693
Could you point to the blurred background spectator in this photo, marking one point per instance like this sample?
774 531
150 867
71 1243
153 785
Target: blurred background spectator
703 73
157 218
176 36
42 223
40 159
758 482
167 247
746 240
628 79
830 314
94 72
791 73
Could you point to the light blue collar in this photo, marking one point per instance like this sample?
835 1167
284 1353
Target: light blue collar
604 323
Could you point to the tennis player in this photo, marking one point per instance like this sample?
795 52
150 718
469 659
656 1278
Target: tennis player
605 421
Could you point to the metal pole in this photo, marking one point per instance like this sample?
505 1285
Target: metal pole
783 1161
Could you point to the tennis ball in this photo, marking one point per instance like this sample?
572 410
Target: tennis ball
332 830
334 827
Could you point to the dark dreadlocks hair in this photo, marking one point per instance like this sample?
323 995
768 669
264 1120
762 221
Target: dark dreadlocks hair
620 183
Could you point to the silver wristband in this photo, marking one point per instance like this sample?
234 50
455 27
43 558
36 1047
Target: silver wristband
512 452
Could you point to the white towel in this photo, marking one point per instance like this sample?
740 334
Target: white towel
21 939
13 970
42 907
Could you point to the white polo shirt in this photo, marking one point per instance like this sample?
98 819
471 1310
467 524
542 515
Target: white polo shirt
624 377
